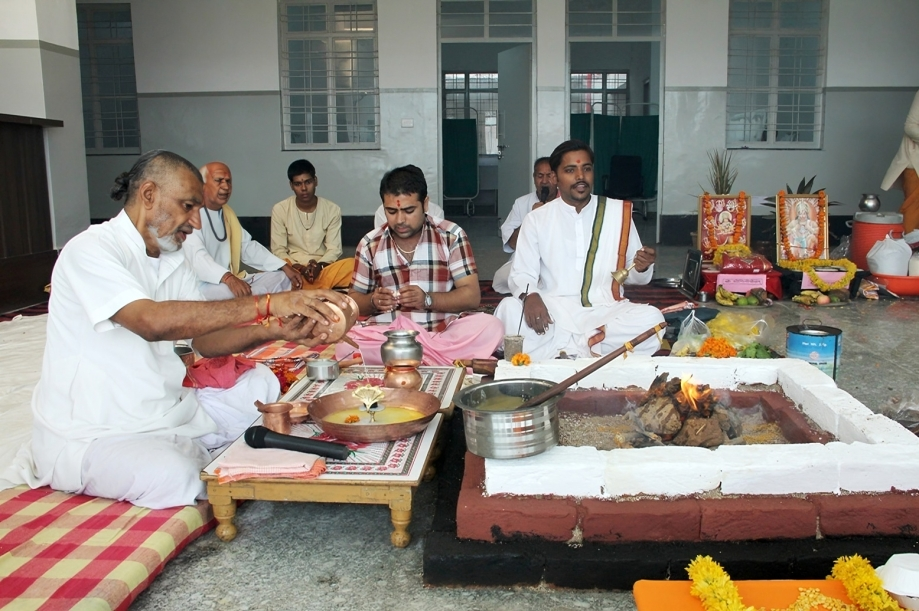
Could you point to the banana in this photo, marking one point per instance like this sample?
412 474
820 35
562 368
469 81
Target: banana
725 297
805 299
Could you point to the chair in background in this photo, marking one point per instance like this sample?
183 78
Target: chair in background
625 181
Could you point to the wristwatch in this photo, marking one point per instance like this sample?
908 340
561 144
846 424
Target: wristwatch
428 301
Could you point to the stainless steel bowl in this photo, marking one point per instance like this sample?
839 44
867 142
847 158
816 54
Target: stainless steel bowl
515 433
322 369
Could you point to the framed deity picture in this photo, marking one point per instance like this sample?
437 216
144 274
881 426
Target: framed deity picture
723 219
801 227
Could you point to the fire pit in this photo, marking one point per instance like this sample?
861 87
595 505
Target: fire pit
846 470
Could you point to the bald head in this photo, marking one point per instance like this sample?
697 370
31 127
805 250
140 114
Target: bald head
218 184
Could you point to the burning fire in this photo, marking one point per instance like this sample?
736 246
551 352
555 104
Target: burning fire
697 395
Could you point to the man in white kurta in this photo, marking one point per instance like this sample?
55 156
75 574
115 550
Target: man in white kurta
208 249
567 308
544 181
111 415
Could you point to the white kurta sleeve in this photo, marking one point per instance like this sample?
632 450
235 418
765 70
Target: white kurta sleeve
200 260
636 277
514 220
255 255
526 265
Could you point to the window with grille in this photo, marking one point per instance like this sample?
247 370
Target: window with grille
330 93
486 19
776 73
110 120
602 93
474 95
591 19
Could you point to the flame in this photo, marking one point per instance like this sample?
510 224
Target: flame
691 392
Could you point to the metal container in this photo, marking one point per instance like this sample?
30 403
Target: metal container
322 369
514 433
819 345
869 203
401 348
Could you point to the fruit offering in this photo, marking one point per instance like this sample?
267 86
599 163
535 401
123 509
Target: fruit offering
831 297
753 297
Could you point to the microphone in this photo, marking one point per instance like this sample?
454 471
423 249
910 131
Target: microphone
261 437
543 194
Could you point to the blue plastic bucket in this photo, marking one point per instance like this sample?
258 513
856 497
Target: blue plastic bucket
819 345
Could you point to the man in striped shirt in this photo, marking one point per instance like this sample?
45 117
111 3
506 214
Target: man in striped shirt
419 273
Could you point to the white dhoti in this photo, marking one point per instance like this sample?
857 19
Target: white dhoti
262 283
159 471
499 281
573 325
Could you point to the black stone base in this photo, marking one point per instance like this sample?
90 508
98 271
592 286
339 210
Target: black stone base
449 561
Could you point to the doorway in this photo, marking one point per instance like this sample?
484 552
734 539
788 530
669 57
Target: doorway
486 101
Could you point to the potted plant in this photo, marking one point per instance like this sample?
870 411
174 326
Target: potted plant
724 218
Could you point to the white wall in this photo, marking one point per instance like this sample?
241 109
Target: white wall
209 88
552 108
40 76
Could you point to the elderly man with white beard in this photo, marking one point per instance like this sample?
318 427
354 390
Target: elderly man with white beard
111 415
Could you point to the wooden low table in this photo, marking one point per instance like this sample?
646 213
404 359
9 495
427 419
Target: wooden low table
384 473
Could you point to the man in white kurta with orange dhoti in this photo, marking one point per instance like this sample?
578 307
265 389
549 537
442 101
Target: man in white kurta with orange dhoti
561 277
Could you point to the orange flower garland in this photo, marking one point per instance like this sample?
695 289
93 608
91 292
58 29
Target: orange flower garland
821 226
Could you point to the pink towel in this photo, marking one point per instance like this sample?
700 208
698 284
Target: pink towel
242 462
218 372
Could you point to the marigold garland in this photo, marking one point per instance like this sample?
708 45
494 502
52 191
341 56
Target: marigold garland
714 588
783 230
520 359
734 249
808 266
862 584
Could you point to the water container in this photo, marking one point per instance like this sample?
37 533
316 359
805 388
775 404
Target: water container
867 229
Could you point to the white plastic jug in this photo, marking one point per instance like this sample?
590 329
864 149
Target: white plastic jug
889 257
914 264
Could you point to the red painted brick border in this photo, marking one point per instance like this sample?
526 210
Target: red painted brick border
490 518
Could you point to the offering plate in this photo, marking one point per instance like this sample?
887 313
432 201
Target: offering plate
425 404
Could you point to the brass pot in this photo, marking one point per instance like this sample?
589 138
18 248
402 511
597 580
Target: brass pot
403 376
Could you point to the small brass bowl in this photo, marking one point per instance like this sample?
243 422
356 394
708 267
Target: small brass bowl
425 404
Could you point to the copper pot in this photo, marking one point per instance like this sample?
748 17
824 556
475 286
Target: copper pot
276 416
403 376
346 320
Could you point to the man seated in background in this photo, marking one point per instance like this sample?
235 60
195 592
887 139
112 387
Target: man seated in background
420 274
546 190
217 249
561 278
306 231
111 415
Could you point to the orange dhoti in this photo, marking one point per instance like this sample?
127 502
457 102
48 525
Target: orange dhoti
333 276
910 207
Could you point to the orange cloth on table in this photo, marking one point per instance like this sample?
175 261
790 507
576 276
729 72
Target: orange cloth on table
771 594
242 462
218 372
333 275
910 207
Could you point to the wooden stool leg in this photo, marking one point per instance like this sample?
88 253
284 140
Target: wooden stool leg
401 514
224 508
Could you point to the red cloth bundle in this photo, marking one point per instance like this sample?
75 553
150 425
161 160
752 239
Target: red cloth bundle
218 372
750 264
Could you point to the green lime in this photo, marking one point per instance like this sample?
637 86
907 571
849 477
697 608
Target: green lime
742 301
834 299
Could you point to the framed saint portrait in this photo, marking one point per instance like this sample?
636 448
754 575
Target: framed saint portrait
801 227
723 219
